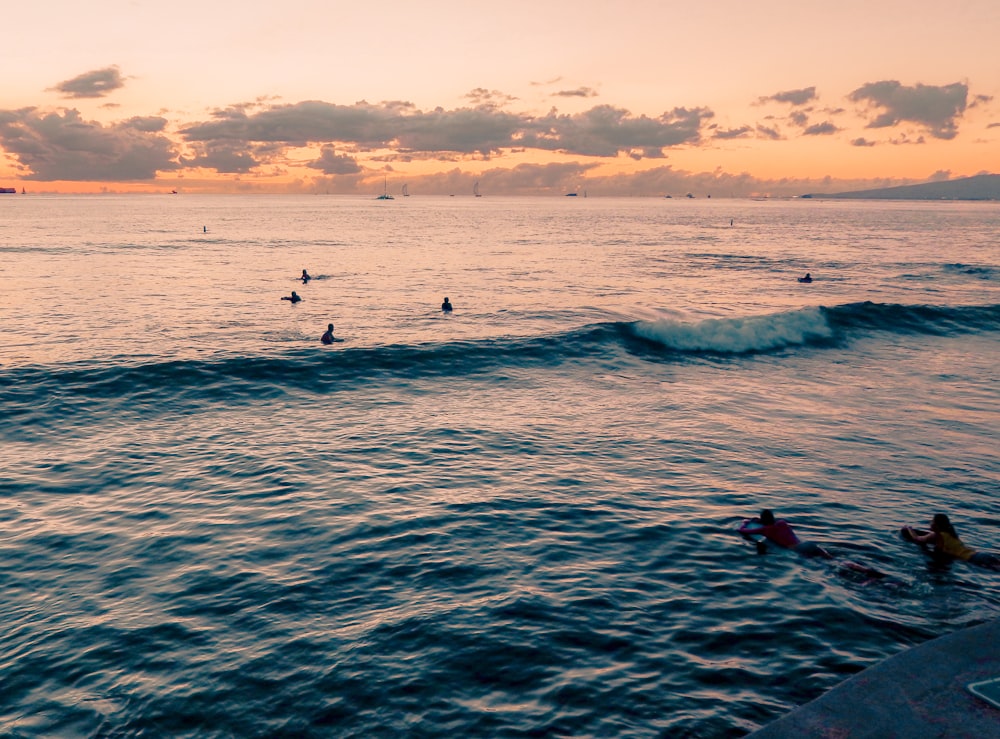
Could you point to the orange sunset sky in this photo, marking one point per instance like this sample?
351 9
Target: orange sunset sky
636 97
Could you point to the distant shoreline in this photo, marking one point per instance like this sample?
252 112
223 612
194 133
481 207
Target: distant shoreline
982 187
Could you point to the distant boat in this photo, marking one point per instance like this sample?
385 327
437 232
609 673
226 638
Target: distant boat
22 191
475 189
406 191
8 190
385 191
571 194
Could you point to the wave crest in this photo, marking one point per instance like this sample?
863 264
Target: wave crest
740 335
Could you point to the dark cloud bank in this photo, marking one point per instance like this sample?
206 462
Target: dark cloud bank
255 140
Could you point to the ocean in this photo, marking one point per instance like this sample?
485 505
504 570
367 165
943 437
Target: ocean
515 520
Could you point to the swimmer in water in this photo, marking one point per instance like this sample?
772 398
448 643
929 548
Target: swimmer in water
779 531
305 277
293 298
327 338
446 306
948 546
807 278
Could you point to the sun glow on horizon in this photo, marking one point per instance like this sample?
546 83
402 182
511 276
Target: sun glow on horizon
135 100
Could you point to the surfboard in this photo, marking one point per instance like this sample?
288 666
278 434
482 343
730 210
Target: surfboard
753 534
988 690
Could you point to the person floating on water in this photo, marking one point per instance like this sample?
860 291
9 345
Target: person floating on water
293 298
807 278
947 546
327 338
779 531
305 277
446 306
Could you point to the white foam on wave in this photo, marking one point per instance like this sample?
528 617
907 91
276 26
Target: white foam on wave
738 335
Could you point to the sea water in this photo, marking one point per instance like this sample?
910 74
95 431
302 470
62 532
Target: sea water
515 520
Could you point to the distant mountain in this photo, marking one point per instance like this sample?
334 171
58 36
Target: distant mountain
980 187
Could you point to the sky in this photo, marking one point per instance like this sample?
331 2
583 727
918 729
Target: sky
632 97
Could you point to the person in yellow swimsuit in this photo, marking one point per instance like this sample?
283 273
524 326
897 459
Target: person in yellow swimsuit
946 543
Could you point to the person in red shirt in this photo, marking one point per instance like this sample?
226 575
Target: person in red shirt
779 531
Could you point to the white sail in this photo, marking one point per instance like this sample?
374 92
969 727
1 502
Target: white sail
406 190
475 189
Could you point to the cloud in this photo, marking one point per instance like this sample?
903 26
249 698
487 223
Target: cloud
904 139
95 84
557 177
332 163
552 81
560 178
768 132
733 133
794 97
580 92
63 146
799 118
481 97
602 131
223 157
605 131
821 129
861 141
937 109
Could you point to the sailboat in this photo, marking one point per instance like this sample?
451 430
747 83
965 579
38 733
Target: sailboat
475 189
385 191
406 190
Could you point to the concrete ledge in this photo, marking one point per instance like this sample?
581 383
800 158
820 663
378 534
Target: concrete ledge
917 693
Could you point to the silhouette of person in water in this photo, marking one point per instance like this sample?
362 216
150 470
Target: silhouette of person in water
947 545
807 278
327 338
293 298
446 306
305 277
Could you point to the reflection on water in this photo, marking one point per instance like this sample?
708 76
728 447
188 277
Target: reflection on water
517 519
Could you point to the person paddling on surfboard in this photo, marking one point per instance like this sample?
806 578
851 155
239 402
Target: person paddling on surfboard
293 298
947 545
779 531
327 338
305 277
